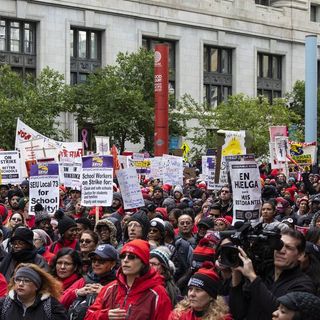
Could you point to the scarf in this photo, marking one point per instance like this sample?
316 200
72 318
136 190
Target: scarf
103 279
67 282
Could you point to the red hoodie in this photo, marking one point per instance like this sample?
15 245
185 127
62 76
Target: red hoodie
146 299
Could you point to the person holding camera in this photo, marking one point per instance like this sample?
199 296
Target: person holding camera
256 299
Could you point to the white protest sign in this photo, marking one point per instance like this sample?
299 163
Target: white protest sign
97 179
246 190
44 187
123 161
71 152
130 188
281 145
102 145
156 168
70 174
10 167
234 144
209 170
172 167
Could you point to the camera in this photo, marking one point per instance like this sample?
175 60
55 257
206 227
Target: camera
258 243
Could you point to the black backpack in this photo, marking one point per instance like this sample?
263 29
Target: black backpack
79 307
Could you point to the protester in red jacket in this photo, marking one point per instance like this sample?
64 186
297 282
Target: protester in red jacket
137 294
202 301
3 285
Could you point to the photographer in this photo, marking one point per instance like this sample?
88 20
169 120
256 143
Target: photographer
256 299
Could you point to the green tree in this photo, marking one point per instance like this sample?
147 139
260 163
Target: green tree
37 102
239 112
119 100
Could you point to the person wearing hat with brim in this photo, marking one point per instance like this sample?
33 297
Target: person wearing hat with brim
103 262
33 294
202 301
298 306
67 228
23 250
138 291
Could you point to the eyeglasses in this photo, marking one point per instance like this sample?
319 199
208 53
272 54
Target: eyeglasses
16 219
129 256
86 241
24 281
61 263
98 261
18 243
38 239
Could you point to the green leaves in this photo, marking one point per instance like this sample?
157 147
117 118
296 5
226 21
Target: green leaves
38 102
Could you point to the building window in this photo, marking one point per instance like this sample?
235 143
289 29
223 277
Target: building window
314 13
269 80
85 52
263 2
150 43
18 45
217 75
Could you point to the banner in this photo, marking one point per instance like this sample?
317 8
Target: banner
130 188
102 145
172 170
142 165
44 187
246 190
123 161
97 179
10 167
304 154
234 144
277 131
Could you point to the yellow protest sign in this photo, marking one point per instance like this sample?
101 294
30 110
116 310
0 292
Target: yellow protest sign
185 150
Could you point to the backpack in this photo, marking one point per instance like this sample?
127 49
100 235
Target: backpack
180 257
79 307
8 302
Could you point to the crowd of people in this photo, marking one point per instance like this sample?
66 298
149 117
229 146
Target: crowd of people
170 259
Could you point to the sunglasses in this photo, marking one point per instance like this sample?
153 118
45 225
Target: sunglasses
129 256
98 261
86 241
16 219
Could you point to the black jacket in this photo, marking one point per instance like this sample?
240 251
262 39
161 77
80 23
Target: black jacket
258 300
44 308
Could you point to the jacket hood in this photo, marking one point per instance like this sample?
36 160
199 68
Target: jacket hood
148 281
42 296
112 228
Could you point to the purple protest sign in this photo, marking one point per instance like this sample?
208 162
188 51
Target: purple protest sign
96 181
44 187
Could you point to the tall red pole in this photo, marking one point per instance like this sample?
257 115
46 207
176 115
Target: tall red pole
161 87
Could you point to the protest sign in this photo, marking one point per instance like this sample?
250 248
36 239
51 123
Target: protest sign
304 154
172 170
10 167
70 175
44 187
209 169
156 168
234 144
246 190
97 179
142 165
102 145
71 152
130 188
281 148
277 131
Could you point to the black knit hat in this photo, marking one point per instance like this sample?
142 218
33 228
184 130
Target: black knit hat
23 234
64 222
143 220
206 279
305 304
42 216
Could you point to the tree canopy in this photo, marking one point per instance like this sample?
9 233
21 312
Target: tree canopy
38 102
